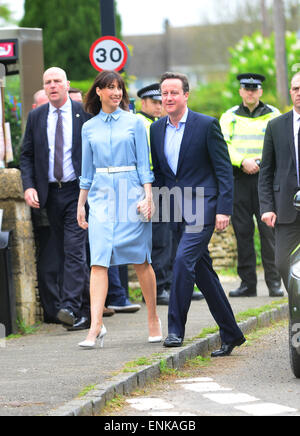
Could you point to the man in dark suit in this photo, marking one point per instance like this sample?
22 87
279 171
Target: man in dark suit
50 167
279 181
190 157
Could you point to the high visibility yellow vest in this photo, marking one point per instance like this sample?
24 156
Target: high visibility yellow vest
245 135
147 123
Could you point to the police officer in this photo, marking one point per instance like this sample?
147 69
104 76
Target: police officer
163 245
150 104
243 127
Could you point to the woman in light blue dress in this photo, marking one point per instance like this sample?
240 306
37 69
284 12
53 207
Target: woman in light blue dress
116 181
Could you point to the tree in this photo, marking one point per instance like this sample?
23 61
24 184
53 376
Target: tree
69 29
5 14
255 54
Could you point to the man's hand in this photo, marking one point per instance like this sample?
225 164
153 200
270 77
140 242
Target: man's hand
269 218
32 198
222 221
249 166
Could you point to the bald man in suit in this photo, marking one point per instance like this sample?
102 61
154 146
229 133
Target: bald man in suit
50 167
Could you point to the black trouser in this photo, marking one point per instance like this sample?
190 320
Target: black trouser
71 243
246 206
48 267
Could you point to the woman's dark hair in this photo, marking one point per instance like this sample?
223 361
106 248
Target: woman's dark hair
92 103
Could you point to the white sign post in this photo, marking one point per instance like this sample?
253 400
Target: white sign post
108 53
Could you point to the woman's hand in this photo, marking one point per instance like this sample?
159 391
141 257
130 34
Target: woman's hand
146 208
81 220
81 217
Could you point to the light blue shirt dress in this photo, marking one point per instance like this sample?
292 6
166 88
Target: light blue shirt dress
117 233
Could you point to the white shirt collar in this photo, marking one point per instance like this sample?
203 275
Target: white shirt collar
63 108
296 115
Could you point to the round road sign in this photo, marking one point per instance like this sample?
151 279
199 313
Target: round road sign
108 53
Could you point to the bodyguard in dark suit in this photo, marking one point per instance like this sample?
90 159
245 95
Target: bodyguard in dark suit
279 181
50 166
190 157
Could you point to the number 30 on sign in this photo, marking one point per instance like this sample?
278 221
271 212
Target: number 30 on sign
108 53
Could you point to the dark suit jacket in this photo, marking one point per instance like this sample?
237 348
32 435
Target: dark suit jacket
278 174
34 160
203 162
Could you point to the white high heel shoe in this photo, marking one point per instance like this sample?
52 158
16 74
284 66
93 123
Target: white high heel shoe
154 339
88 345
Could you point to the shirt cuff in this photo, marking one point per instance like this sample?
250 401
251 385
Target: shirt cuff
85 183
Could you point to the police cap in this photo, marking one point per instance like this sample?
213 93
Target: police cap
150 91
250 80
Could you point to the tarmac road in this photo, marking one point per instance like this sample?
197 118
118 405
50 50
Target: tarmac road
256 380
42 373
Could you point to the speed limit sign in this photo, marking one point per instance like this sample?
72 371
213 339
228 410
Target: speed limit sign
108 53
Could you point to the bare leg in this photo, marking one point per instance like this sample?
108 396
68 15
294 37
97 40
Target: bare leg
98 293
146 277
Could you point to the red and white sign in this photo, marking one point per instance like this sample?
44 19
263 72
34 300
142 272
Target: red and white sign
6 49
108 53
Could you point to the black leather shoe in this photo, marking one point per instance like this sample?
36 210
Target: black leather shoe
197 296
66 316
163 298
172 340
82 323
226 349
243 291
275 290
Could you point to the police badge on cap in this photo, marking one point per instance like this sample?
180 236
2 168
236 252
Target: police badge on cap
250 80
150 91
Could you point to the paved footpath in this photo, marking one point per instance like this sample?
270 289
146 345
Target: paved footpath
44 373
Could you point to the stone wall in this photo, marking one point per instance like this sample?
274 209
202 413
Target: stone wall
17 217
223 249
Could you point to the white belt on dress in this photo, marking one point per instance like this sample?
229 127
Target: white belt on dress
116 169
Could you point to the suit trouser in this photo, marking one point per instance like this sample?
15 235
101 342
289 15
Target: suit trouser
193 264
161 254
116 294
48 266
71 243
287 238
246 205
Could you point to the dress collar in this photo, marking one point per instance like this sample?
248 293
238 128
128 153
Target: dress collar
107 117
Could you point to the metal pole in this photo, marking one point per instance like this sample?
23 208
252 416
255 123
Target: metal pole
107 18
280 53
